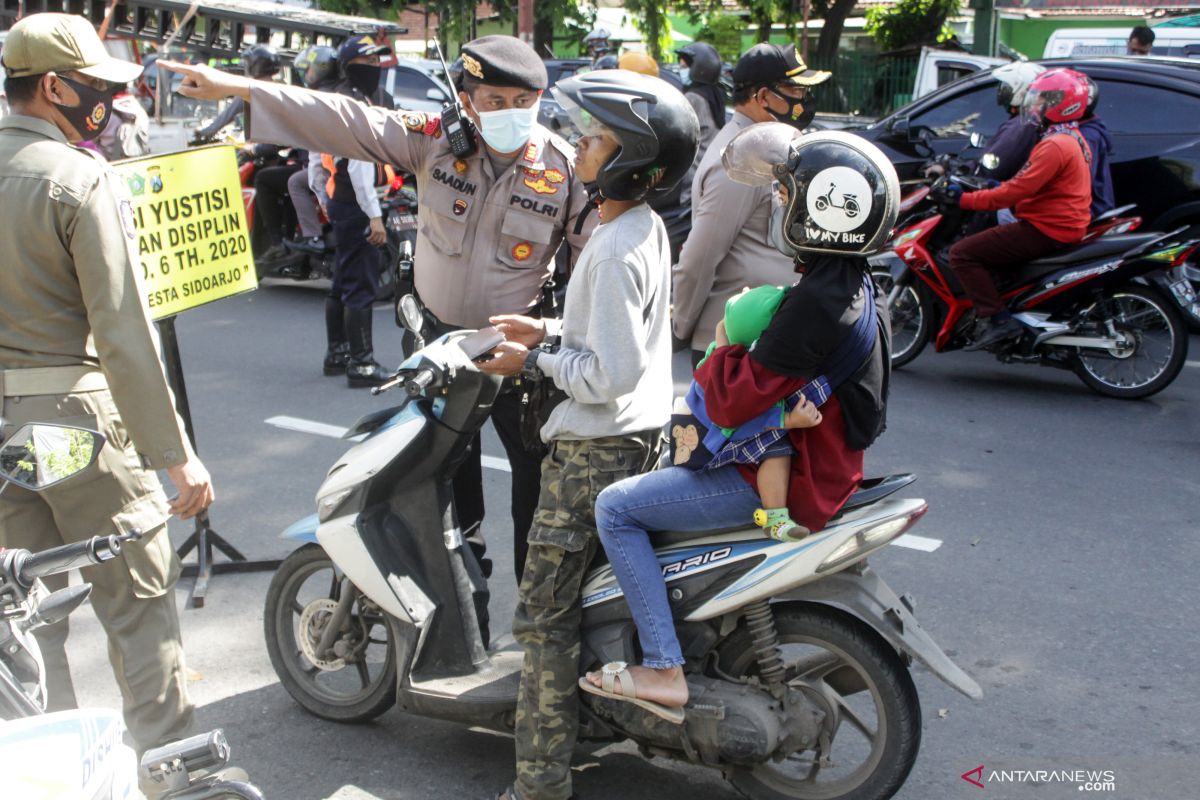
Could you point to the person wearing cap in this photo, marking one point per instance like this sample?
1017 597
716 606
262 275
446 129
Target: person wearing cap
729 247
77 348
353 208
489 222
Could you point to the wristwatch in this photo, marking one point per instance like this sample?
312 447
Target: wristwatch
530 370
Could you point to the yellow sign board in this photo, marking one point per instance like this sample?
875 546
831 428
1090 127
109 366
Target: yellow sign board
192 236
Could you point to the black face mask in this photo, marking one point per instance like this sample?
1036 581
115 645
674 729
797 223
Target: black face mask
91 116
364 77
799 113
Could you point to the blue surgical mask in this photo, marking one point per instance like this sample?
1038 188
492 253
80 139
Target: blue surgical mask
685 76
509 130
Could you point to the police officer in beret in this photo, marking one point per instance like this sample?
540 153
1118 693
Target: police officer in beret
490 221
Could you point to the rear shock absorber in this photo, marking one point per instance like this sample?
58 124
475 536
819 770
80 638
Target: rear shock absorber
761 622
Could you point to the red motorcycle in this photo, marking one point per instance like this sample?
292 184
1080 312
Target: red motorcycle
1104 308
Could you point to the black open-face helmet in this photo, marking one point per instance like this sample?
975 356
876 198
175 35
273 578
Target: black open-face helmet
842 191
317 66
703 60
654 123
260 61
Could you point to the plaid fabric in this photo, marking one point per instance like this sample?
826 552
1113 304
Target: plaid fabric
753 450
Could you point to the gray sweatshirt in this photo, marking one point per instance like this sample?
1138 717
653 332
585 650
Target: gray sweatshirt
615 361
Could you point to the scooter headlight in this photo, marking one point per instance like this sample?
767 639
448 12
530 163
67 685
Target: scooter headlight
328 505
869 540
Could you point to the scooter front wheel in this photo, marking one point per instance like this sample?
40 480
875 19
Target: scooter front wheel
872 727
353 679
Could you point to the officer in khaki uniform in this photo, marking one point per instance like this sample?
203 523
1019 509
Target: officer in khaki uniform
489 223
730 247
77 347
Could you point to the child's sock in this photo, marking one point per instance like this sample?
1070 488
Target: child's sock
777 524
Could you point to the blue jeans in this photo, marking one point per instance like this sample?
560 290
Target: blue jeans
675 499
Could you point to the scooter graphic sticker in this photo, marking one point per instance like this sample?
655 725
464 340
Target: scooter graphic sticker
839 200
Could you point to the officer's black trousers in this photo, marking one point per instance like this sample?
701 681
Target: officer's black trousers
526 465
356 274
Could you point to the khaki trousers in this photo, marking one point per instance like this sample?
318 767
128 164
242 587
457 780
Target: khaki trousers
132 595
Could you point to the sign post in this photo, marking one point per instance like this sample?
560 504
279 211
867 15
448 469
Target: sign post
194 247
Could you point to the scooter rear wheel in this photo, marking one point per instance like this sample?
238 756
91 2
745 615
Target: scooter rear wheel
1157 344
873 714
356 684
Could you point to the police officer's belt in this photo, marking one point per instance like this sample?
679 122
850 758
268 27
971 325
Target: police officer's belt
50 380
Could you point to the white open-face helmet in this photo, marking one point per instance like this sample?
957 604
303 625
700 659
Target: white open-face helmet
1014 81
842 191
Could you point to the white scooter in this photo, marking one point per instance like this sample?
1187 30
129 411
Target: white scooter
798 654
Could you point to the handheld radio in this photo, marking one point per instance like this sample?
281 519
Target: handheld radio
460 131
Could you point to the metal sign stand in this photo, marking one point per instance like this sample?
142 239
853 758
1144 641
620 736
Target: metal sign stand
204 539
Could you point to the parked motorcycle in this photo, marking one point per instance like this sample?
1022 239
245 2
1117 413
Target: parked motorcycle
77 753
1106 309
398 204
796 651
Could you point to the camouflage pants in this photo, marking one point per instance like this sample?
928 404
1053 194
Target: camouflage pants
562 542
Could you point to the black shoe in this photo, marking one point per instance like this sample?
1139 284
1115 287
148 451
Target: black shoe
991 332
337 357
298 271
315 245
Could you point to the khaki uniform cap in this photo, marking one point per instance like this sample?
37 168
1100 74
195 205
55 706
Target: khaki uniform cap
42 43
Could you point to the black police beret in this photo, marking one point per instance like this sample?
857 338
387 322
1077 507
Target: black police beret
504 61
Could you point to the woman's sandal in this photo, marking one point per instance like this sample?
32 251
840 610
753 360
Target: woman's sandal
619 671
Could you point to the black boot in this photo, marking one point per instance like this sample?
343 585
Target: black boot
362 370
990 332
337 355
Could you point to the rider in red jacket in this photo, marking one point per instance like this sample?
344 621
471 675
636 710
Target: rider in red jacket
1051 198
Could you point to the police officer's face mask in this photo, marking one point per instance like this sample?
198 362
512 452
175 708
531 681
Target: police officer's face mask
508 130
90 116
799 112
364 77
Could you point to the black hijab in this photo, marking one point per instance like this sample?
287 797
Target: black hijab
813 319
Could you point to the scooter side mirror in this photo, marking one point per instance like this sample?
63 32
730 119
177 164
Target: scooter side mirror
37 457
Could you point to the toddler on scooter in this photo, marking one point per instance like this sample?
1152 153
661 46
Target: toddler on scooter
746 316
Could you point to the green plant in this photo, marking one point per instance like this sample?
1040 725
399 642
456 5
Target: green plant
911 22
724 32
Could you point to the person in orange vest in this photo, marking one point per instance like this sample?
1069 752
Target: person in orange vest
357 222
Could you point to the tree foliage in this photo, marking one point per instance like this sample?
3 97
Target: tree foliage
911 22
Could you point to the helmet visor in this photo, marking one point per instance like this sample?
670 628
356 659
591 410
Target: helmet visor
753 155
1038 103
581 118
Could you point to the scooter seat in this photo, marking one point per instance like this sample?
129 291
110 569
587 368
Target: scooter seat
869 491
1097 248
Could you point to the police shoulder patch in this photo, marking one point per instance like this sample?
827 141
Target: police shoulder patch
425 124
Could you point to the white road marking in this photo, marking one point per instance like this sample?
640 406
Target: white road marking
908 540
921 543
1192 363
491 462
307 426
335 432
